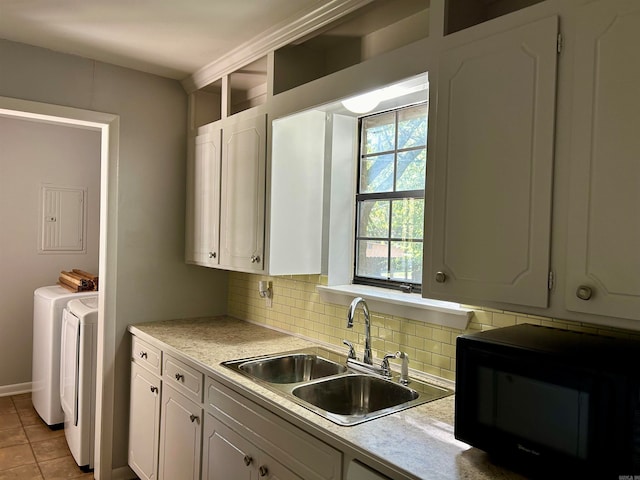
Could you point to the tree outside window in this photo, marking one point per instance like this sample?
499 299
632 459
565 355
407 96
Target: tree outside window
390 197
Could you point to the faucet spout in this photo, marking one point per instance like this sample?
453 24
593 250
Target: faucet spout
368 357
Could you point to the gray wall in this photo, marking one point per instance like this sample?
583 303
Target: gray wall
33 154
153 282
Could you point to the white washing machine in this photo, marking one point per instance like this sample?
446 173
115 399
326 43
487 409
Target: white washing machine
78 347
48 304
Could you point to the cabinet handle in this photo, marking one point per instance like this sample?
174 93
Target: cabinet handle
179 377
263 471
194 418
255 258
584 293
247 460
154 389
143 354
441 277
212 255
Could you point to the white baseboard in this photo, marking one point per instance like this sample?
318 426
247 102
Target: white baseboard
123 473
7 390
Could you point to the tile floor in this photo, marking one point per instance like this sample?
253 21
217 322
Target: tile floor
29 449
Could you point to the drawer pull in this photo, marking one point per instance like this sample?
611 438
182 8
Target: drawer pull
194 418
263 471
154 389
143 354
179 377
247 460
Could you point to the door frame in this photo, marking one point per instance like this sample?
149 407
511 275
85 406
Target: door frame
109 127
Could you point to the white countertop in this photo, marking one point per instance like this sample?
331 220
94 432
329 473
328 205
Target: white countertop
416 443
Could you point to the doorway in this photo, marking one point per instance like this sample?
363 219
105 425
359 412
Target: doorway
108 127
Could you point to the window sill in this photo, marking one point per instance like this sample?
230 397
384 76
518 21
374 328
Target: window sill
406 305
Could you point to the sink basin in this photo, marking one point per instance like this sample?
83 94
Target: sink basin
355 394
287 368
355 398
320 380
291 368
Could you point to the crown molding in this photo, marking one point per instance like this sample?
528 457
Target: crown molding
270 40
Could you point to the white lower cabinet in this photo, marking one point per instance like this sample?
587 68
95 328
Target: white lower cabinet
227 455
247 431
144 422
180 437
169 439
358 471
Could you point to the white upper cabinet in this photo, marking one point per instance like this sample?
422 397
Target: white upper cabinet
603 248
493 168
203 199
296 186
237 218
243 194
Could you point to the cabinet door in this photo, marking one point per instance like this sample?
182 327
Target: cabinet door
224 454
493 168
180 437
243 195
144 423
227 455
203 200
603 248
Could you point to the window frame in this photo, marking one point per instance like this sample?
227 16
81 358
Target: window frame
402 285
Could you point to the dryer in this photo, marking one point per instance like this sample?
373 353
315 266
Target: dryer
78 345
48 304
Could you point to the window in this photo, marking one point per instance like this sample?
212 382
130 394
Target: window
390 198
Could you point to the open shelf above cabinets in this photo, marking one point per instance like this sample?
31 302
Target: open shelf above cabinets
248 86
206 105
461 14
240 90
364 34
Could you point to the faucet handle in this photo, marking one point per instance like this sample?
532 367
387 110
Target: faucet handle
352 351
386 368
404 373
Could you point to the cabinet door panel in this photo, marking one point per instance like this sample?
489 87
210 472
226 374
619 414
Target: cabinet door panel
180 436
225 454
144 425
228 455
243 195
604 226
493 168
203 200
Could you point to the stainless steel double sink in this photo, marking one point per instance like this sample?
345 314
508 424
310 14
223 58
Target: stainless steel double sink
320 380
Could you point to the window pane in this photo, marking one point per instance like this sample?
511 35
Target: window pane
406 261
379 133
390 228
372 259
407 221
376 174
412 166
412 127
373 219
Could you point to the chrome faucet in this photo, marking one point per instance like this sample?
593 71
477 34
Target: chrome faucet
368 357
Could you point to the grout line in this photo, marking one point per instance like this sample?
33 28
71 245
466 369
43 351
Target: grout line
27 437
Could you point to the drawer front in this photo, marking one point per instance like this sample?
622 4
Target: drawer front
146 355
295 449
185 379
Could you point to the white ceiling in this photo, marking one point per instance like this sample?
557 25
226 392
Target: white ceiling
171 38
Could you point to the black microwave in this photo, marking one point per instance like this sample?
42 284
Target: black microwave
550 402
